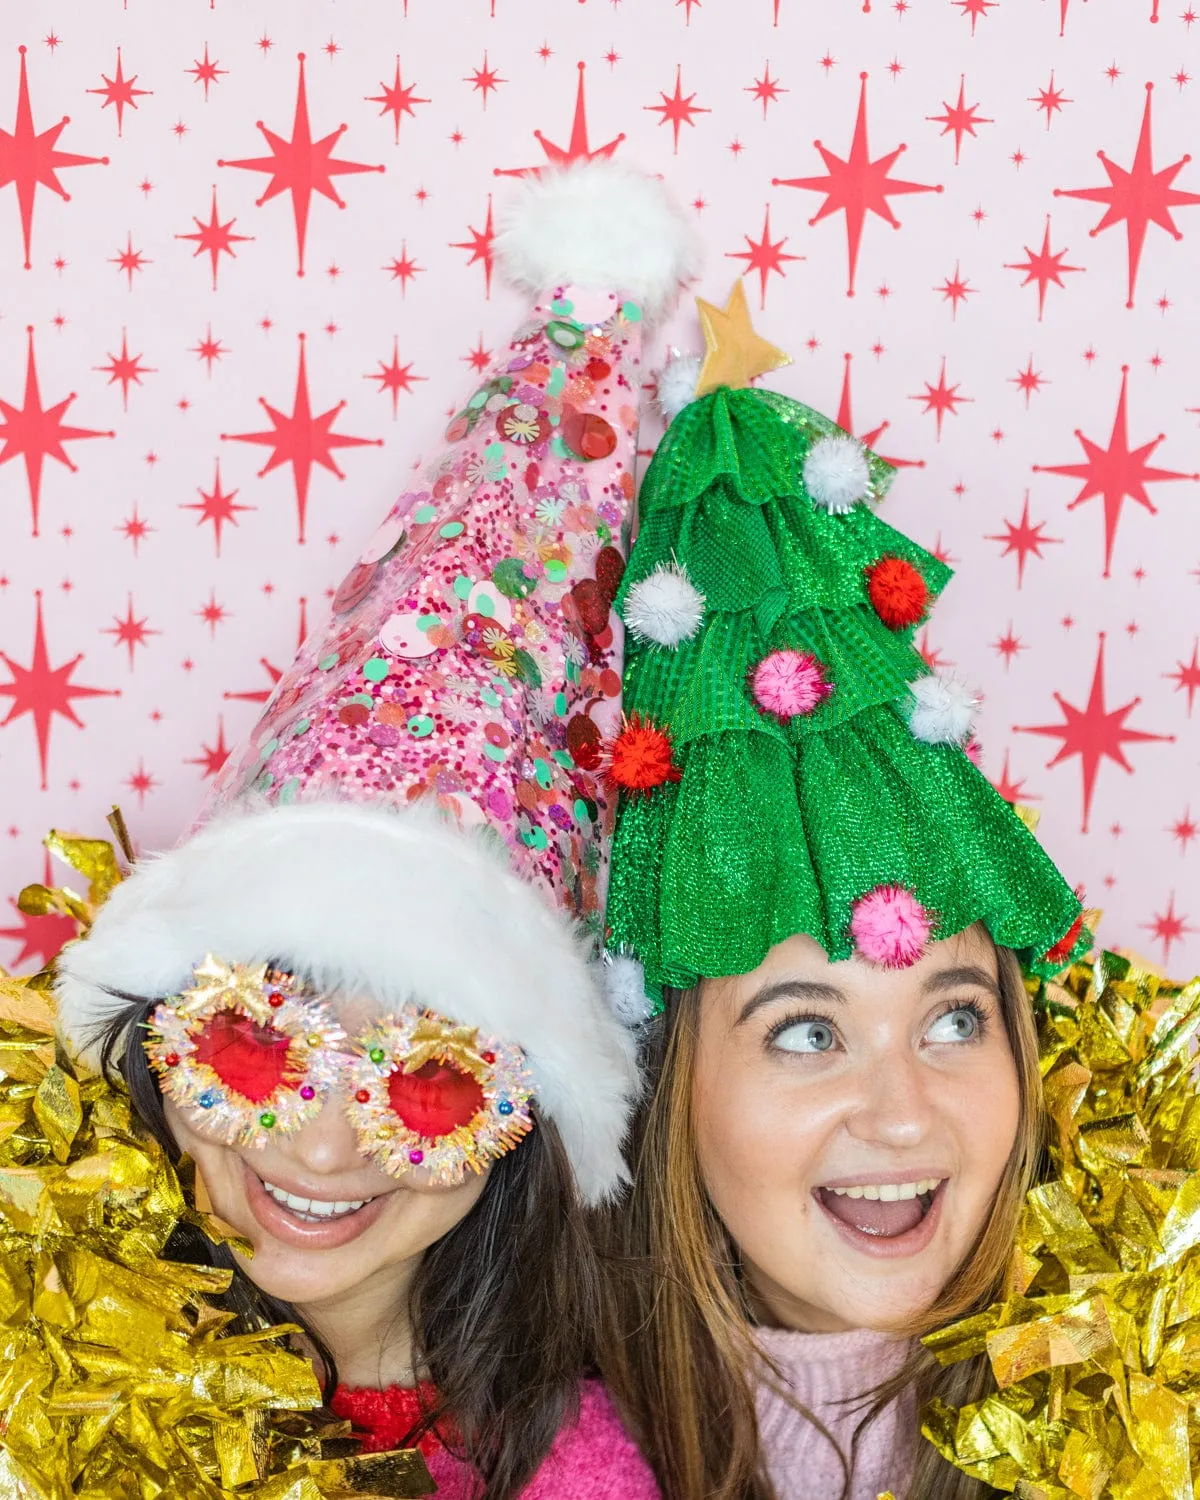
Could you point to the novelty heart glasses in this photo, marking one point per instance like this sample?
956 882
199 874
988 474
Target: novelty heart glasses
259 1055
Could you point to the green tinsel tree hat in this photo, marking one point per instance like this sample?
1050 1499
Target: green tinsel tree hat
788 763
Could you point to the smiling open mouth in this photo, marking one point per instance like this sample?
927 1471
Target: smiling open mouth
314 1210
882 1210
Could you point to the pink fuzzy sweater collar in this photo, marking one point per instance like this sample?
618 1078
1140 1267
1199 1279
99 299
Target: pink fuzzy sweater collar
823 1370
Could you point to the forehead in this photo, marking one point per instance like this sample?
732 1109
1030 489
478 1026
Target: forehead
801 960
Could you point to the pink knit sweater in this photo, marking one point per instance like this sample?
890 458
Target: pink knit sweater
594 1459
822 1370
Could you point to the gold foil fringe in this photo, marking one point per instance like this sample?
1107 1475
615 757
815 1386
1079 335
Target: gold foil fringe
1096 1349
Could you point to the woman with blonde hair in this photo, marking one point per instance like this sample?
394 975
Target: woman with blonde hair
828 900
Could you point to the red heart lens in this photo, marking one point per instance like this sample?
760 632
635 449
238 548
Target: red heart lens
249 1058
435 1099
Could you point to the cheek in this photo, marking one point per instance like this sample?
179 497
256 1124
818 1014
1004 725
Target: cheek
986 1117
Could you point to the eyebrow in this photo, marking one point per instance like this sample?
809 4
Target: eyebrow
791 989
952 979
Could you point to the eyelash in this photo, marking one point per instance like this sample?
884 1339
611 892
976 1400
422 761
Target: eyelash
982 1021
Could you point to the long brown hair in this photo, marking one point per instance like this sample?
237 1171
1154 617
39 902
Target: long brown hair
503 1308
678 1349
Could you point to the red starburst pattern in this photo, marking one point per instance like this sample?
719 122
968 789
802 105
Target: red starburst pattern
126 368
941 399
29 160
1023 539
1187 677
214 238
955 289
484 80
1045 266
1010 790
1094 733
141 783
578 147
1116 473
301 439
976 9
764 256
1168 927
216 506
42 691
208 349
129 631
301 166
678 108
1138 197
393 377
1050 100
119 91
396 100
206 71
129 260
1184 830
960 119
845 420
857 185
1028 381
211 757
481 246
403 268
35 432
766 89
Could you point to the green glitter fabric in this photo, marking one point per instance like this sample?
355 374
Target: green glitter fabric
779 828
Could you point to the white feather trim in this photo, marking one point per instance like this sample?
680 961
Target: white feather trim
599 224
677 384
625 988
665 607
837 474
941 710
399 906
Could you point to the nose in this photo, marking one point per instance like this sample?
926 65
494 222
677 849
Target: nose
327 1144
895 1104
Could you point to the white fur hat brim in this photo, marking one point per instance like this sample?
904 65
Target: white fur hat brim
399 906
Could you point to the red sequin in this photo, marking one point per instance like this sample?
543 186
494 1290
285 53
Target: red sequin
435 1099
248 1058
385 1418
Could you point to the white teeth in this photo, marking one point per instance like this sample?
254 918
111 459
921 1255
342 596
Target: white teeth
313 1208
889 1192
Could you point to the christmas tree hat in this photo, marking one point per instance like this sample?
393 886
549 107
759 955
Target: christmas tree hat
418 815
788 762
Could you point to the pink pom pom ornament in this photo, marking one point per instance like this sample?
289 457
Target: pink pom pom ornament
788 683
890 927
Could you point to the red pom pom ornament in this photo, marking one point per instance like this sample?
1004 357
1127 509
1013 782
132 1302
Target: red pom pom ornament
641 758
898 593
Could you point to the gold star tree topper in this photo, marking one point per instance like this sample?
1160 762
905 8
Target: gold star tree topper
735 354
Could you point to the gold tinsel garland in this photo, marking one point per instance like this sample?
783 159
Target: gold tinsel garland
117 1377
1096 1349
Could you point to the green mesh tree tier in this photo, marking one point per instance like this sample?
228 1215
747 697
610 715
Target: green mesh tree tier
768 812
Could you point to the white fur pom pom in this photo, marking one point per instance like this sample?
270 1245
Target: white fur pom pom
836 473
677 384
598 224
941 711
625 988
665 607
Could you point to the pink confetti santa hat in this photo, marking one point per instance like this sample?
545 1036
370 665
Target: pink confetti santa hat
470 667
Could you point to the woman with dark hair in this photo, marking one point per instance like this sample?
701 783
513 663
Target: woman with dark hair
359 998
844 1111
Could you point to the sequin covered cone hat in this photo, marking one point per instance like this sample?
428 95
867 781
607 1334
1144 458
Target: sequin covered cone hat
419 813
789 764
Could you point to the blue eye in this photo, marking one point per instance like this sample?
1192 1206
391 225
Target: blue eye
961 1025
805 1036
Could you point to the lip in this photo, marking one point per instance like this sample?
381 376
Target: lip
879 1179
901 1246
289 1230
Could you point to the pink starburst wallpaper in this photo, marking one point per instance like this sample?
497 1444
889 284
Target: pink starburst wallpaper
246 270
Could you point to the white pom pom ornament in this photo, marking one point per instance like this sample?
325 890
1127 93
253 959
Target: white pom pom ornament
665 607
625 988
837 474
941 710
677 384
